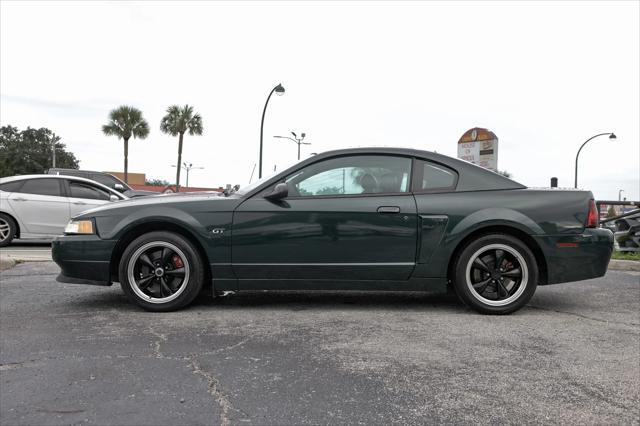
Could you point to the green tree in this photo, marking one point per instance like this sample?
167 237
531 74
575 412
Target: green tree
156 182
177 122
611 212
329 190
126 122
29 151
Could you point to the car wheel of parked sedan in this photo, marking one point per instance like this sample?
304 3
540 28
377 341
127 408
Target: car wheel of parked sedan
7 230
495 274
161 271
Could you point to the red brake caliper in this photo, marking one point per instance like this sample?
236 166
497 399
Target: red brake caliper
177 261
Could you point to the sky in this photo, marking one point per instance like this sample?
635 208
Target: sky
543 76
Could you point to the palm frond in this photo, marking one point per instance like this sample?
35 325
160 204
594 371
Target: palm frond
195 125
126 121
180 120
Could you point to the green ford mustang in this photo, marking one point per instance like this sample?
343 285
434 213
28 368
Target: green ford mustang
356 219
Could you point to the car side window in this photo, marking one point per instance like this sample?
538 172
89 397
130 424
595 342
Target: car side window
42 187
433 177
105 179
83 190
11 186
352 175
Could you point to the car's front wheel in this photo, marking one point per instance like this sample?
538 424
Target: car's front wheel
161 271
495 274
7 230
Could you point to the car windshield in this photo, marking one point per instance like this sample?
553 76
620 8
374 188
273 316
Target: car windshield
245 189
250 187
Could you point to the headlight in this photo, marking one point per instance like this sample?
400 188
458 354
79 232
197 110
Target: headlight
79 227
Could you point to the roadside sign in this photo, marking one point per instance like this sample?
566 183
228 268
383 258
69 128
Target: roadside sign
479 146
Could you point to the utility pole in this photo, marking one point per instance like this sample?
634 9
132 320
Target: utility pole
54 139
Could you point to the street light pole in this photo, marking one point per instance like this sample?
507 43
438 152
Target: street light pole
279 91
620 191
188 168
612 136
296 139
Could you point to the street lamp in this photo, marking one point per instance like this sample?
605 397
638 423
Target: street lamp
188 168
620 191
279 91
296 139
611 137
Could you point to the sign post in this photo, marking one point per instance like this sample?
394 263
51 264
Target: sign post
479 146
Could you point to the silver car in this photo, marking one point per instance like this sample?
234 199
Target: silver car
40 206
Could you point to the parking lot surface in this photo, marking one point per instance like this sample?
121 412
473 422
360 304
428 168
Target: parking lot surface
73 354
29 251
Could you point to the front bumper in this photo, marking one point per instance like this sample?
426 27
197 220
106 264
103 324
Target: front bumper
577 257
84 259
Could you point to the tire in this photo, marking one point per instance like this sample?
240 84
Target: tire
8 229
161 271
490 290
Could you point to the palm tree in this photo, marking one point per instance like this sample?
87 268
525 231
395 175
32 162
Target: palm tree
125 122
177 122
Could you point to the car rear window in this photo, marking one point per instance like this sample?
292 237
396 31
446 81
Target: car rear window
11 186
433 177
104 179
42 187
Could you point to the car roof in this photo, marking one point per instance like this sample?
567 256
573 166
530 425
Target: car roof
47 176
471 177
58 169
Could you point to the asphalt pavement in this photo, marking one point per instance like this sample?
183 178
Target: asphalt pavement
74 354
28 251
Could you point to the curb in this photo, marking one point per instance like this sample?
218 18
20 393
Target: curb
6 262
624 265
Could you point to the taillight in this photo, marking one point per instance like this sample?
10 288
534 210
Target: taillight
592 217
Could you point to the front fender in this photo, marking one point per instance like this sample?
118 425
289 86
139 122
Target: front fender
115 226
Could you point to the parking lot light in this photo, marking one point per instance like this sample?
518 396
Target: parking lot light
612 136
279 91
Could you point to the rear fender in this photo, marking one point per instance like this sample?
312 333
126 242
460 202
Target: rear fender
495 216
437 266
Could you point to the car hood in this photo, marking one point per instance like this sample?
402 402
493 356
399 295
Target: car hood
139 193
172 200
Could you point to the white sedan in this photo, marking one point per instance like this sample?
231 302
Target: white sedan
40 206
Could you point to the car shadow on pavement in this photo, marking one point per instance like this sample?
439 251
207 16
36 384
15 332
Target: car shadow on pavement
301 300
286 300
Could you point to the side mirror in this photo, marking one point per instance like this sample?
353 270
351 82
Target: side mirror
118 187
114 197
279 192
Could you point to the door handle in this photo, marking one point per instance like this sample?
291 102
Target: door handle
20 199
79 203
388 209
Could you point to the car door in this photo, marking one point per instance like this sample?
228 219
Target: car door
41 206
345 218
83 196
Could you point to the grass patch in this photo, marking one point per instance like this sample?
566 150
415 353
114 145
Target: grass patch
626 255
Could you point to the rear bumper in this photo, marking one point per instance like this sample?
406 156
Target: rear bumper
84 259
577 257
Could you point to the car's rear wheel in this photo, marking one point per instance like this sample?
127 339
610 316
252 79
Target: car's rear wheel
8 230
495 274
161 271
